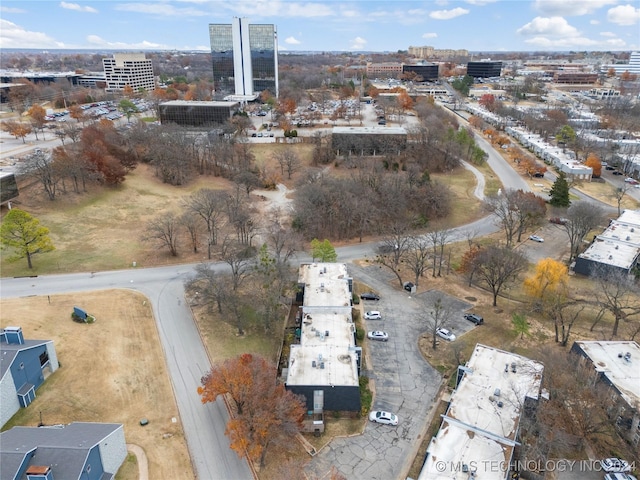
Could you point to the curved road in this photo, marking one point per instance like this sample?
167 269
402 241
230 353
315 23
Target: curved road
186 356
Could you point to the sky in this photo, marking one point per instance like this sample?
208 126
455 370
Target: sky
328 25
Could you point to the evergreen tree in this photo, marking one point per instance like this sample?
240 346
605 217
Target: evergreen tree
24 234
560 192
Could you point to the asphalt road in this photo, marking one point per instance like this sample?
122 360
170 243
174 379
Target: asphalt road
186 357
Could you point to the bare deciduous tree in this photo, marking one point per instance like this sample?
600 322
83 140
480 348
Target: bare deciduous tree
165 230
582 218
209 205
439 317
497 266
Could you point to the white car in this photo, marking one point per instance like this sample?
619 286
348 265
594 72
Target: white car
372 315
630 180
615 465
378 335
536 238
446 334
385 418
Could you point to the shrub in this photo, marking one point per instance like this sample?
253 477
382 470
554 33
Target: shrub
366 397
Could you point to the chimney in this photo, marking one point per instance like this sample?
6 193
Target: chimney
14 335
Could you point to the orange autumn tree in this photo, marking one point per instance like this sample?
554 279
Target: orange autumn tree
594 162
267 413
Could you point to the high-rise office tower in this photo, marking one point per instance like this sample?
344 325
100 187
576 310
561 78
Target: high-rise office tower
245 58
132 69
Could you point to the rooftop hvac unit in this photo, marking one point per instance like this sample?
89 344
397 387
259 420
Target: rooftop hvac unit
326 333
313 363
627 356
319 357
497 392
500 404
513 367
322 287
322 365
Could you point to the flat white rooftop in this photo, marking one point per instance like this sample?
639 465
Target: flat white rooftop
619 244
609 359
480 425
325 285
199 103
370 130
322 365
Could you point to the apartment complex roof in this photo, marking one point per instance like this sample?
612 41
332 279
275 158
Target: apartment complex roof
480 426
618 361
326 352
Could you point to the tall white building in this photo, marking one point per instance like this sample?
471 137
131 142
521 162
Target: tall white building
632 67
244 58
132 69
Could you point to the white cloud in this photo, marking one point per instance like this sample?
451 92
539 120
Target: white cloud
624 15
594 22
12 10
554 26
161 9
607 34
15 36
97 41
480 3
77 8
358 43
553 8
292 41
576 43
280 8
429 35
448 14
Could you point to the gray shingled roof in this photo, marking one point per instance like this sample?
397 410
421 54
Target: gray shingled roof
8 352
64 449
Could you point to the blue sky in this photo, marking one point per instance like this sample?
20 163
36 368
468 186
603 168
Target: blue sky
371 25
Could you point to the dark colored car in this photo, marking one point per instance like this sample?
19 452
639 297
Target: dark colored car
408 286
474 317
617 173
369 296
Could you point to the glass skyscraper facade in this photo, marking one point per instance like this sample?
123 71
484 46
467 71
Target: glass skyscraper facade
244 57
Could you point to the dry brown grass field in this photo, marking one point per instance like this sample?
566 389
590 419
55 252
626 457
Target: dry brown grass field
111 371
102 230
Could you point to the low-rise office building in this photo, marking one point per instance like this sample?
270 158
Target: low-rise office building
424 72
368 140
484 69
197 113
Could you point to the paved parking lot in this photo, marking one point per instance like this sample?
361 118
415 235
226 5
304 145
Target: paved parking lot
405 383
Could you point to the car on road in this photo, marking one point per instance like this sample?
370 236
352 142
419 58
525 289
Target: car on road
619 476
378 335
369 296
372 315
559 220
630 180
617 173
385 418
615 465
609 167
474 317
446 334
536 238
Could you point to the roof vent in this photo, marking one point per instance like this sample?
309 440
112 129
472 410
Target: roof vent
500 404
